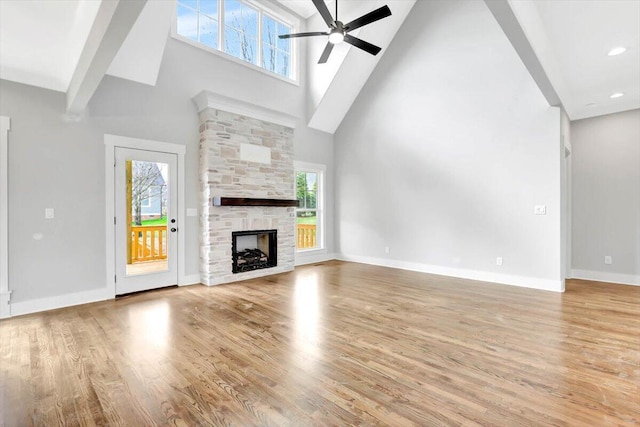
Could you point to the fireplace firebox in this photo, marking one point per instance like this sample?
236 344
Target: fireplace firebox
253 250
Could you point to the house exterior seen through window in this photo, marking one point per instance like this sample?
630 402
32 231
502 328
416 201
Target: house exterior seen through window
240 28
309 213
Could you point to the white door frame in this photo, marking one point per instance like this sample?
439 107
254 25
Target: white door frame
110 143
5 293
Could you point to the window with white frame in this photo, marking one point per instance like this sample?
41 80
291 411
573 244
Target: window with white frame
241 28
309 213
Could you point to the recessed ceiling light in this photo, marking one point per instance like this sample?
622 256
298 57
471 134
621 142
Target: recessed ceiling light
616 95
617 51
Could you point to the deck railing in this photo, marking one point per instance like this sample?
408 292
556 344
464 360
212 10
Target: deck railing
148 243
306 236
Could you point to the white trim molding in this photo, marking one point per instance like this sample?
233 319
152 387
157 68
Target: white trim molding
60 301
305 258
482 276
5 293
604 276
191 279
110 144
206 99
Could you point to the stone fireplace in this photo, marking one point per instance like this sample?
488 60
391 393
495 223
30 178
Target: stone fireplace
245 152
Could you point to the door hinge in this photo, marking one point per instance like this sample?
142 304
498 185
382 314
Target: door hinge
115 279
114 220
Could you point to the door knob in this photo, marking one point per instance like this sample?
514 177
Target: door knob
173 220
173 229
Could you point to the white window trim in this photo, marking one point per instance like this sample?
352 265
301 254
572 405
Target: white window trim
5 293
321 170
273 12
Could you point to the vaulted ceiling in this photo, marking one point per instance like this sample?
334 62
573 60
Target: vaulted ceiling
45 42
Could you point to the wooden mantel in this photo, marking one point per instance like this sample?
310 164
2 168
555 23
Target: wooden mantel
246 201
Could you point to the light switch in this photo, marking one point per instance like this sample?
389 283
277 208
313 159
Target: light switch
48 213
540 209
608 260
499 260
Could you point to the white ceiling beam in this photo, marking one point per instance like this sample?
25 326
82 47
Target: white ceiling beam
113 22
504 14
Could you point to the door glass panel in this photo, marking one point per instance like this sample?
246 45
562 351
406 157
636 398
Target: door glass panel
147 207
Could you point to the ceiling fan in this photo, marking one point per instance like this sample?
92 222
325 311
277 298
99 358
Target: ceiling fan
339 32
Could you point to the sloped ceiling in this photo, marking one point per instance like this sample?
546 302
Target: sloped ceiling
334 86
41 41
571 38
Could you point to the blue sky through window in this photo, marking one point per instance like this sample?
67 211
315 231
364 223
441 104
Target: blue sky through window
199 20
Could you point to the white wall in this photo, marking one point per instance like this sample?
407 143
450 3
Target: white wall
445 153
606 197
60 164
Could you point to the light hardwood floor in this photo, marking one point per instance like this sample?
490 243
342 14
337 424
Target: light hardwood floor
333 344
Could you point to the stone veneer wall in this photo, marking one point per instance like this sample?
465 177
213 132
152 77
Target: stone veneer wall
224 173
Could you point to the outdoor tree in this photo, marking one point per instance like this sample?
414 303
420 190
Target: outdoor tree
306 198
145 177
240 26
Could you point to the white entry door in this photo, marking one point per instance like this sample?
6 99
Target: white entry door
146 222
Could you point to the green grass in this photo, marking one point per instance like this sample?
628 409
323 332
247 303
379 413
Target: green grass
307 220
157 221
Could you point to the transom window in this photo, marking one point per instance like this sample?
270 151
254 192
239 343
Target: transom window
240 28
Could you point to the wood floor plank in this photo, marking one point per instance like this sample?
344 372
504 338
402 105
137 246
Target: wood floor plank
330 344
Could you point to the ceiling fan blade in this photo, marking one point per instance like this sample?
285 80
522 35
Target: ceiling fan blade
291 36
325 54
324 12
370 17
359 43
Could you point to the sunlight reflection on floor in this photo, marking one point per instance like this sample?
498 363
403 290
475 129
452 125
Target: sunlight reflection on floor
307 313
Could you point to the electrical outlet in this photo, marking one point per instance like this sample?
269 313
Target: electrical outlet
540 209
499 260
386 249
608 260
48 213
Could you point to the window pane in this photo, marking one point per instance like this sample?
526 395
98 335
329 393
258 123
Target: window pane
269 58
239 45
301 189
209 8
269 34
283 61
284 44
307 230
241 17
208 31
187 23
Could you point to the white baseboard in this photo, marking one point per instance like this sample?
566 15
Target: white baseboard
302 259
603 276
483 276
191 279
60 301
5 308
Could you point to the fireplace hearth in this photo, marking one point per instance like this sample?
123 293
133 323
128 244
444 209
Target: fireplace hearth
254 250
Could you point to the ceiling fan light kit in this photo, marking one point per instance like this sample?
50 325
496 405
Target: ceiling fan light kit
339 32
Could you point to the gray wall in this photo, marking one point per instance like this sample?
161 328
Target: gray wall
606 197
445 153
60 164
